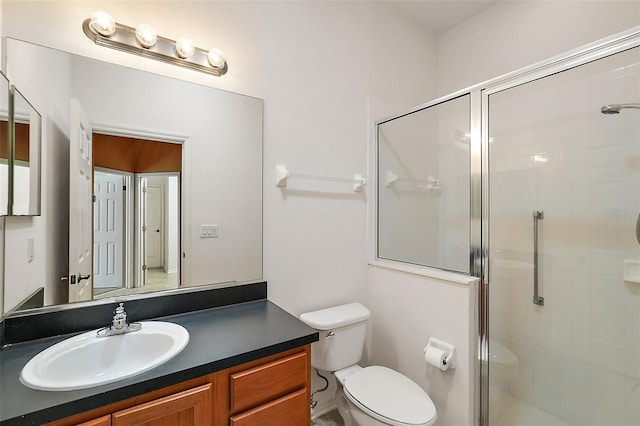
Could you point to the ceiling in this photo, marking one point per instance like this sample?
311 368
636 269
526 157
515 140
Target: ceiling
439 16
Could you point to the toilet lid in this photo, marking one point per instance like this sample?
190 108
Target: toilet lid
390 397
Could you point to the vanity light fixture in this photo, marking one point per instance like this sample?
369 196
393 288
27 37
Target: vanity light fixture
185 47
102 23
103 30
146 36
216 58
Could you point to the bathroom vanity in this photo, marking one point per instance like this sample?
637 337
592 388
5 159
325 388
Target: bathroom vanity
264 392
246 363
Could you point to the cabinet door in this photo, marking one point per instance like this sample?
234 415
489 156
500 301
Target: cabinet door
190 407
290 410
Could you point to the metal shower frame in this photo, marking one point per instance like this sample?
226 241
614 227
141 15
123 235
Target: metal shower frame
480 185
591 52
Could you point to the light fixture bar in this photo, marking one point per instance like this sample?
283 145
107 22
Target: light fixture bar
124 39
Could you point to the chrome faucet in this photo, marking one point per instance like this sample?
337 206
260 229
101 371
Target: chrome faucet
119 324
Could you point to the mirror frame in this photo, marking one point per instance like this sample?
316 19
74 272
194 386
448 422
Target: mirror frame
35 155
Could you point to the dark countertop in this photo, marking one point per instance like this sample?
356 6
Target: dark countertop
219 338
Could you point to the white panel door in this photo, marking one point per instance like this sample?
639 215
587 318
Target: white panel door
80 205
155 227
108 231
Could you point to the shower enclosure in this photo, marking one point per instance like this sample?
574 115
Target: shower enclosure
552 220
563 267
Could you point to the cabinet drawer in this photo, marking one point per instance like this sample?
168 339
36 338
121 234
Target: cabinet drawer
263 383
290 410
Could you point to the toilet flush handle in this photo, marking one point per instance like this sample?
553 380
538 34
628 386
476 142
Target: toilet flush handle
329 334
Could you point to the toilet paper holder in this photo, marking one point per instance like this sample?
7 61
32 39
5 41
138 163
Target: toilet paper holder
447 348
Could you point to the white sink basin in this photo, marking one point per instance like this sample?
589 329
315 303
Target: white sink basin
86 360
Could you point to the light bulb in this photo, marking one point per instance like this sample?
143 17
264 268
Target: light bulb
184 47
102 23
146 35
216 58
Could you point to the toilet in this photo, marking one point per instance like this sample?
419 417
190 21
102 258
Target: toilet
503 365
369 396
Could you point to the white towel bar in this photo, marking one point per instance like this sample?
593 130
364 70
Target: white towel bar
283 174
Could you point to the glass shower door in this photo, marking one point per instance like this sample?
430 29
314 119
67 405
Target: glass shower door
564 262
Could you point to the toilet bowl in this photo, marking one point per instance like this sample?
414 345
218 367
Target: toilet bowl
378 396
370 396
503 364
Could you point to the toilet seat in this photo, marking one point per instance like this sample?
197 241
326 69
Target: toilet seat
390 397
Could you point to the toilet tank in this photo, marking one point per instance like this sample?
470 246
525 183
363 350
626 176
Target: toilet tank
342 332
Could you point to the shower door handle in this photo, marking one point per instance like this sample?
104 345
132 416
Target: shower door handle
537 216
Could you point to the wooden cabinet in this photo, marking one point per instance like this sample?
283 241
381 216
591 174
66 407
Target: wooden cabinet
102 421
271 391
266 382
291 409
190 407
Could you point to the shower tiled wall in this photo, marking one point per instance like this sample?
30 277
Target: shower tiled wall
552 150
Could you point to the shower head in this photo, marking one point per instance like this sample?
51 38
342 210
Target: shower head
615 108
610 109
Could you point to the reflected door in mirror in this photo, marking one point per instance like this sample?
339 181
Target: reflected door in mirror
108 229
80 205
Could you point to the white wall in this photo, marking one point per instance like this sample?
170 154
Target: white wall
51 95
513 34
406 310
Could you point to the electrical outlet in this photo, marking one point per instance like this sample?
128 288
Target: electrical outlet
208 231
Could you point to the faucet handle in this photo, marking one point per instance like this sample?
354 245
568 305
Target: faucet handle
119 324
119 317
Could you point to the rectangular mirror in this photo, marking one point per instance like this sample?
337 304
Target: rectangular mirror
25 173
424 186
196 150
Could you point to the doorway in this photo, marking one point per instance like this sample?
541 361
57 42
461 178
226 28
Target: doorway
158 253
137 204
